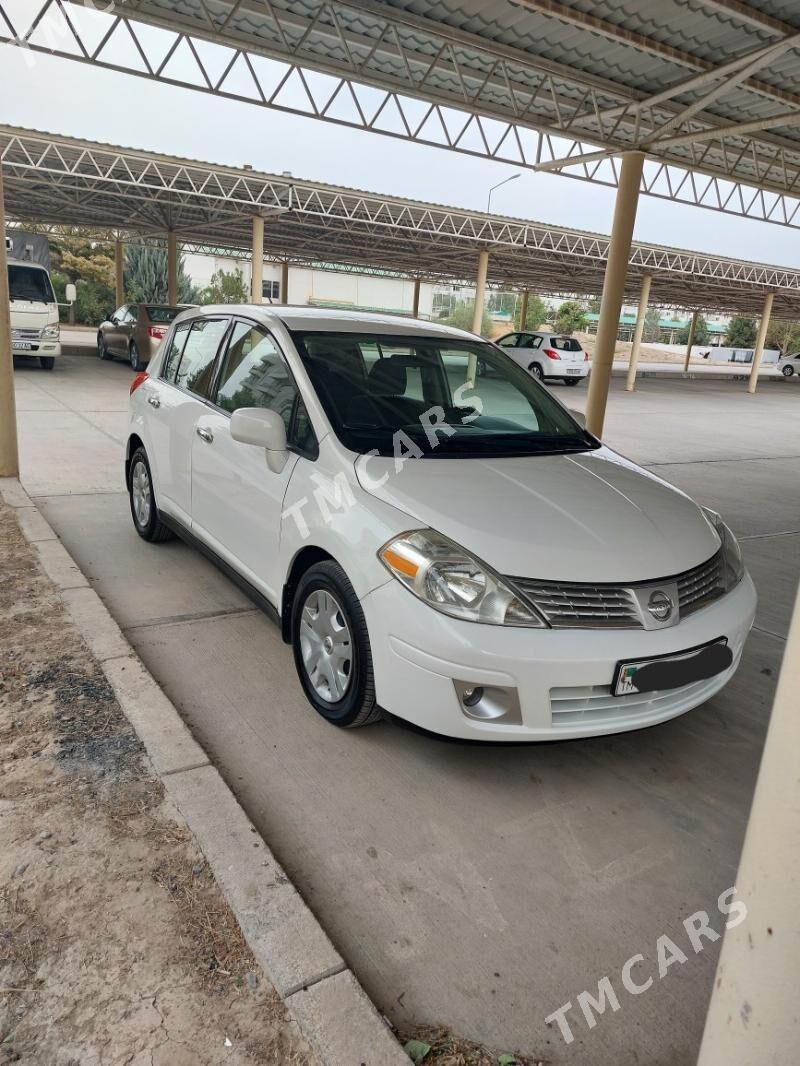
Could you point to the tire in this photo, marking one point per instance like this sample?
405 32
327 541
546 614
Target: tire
537 371
47 362
135 359
572 381
787 371
147 522
325 590
102 351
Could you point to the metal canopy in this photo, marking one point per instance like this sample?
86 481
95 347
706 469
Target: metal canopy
706 89
112 191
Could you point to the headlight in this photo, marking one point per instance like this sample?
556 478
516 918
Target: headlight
732 562
449 579
51 333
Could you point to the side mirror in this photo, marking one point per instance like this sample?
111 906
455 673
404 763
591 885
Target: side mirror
71 293
263 429
579 417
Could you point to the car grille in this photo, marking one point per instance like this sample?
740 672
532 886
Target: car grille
575 605
26 334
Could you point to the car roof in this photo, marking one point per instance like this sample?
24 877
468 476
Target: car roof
311 319
25 263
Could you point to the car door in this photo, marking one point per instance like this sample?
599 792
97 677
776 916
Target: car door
112 330
179 398
237 501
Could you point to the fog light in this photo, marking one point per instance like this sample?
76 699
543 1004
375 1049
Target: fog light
489 703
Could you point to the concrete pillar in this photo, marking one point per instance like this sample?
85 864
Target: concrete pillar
641 314
690 342
172 268
119 270
752 1018
630 180
9 453
415 300
760 341
285 282
257 277
477 314
523 310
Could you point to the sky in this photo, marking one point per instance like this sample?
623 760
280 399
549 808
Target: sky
64 97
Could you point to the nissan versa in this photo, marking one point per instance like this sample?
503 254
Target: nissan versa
455 550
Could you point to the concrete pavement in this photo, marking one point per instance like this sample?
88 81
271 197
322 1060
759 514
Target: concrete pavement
479 887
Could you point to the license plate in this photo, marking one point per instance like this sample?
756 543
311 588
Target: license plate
570 371
672 671
21 346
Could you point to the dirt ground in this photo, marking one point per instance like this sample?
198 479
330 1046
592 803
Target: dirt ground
116 946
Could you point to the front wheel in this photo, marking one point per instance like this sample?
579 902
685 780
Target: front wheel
47 362
787 371
144 511
536 370
135 359
331 647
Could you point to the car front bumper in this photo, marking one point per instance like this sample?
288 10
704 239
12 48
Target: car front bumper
49 349
559 679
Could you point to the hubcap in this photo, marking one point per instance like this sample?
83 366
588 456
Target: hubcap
141 494
326 646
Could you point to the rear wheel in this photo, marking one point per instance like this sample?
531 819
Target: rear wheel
135 359
331 647
47 362
144 511
572 381
536 370
102 350
787 371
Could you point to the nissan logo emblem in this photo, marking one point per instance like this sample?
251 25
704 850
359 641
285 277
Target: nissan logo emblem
660 605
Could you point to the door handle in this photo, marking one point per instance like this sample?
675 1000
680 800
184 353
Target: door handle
154 401
205 434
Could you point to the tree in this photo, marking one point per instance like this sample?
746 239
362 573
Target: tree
742 332
226 288
89 265
702 334
146 276
652 326
784 335
461 317
570 316
594 305
536 314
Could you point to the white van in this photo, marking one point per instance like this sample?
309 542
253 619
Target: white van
34 312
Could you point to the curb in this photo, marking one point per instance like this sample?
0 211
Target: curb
331 1009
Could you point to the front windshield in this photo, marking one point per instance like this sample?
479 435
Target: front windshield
30 284
440 396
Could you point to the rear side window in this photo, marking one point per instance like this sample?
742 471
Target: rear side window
196 367
173 356
530 341
565 344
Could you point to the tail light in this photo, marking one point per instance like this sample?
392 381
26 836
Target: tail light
139 380
156 332
551 353
586 357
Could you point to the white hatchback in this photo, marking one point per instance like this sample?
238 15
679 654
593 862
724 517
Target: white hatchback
548 356
453 549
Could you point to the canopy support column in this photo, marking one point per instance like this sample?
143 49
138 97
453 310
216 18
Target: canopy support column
753 1010
257 271
690 341
172 268
415 298
644 297
477 314
285 282
9 451
630 179
761 340
119 272
523 310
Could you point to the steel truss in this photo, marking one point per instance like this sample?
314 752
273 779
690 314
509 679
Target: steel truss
115 192
376 67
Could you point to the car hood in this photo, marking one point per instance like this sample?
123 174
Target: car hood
593 516
26 314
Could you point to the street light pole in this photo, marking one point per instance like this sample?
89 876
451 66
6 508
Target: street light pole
505 181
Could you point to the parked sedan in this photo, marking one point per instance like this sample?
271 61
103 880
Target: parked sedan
456 551
548 356
789 365
134 332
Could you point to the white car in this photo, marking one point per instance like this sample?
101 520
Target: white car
789 365
548 356
460 553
